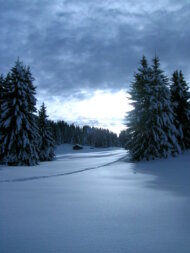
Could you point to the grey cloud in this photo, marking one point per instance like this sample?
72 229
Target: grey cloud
75 45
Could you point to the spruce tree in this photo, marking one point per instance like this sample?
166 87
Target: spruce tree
19 130
151 131
140 139
180 98
2 97
162 115
2 91
1 88
46 142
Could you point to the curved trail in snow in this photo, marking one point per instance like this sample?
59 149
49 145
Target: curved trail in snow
63 174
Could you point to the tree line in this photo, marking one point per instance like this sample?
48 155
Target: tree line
159 124
86 135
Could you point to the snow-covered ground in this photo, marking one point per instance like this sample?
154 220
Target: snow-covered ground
96 202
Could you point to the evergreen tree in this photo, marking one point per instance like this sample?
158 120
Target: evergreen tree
2 93
180 98
2 97
18 127
151 132
165 132
140 140
1 89
46 142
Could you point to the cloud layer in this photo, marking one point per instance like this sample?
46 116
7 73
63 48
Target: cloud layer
75 45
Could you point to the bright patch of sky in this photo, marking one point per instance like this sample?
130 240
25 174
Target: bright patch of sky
103 108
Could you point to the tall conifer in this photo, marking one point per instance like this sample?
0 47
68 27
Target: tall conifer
140 141
151 131
180 98
46 142
2 96
19 130
165 130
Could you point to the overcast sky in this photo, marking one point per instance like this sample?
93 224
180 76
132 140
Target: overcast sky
82 51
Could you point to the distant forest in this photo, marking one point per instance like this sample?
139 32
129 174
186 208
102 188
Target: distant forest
86 135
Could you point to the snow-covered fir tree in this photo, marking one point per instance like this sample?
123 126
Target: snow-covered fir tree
180 98
1 85
18 126
151 131
2 96
140 139
46 142
1 92
166 134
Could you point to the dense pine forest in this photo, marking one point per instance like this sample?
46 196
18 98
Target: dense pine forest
86 135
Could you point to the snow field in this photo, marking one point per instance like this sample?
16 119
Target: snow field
119 207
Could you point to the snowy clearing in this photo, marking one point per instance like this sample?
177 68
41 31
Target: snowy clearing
96 201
